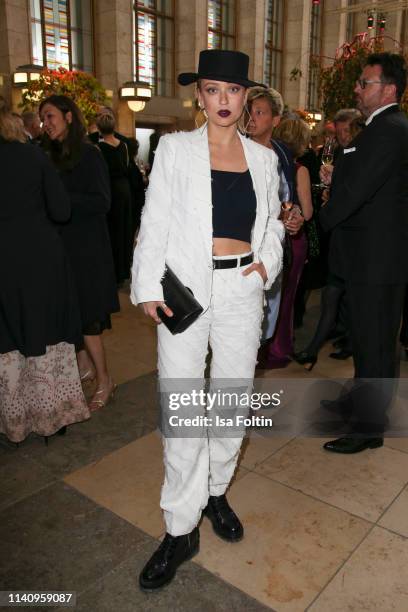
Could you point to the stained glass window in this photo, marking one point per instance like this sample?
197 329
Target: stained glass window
61 33
221 24
314 55
273 56
154 45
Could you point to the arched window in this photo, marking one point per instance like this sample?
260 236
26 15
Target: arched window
222 24
153 37
61 34
273 56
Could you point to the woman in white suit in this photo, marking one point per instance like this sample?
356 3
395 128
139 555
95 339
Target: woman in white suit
211 214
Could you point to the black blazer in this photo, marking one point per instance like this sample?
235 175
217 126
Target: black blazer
368 207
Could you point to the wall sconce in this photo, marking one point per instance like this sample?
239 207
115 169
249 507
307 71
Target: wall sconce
370 21
136 94
25 74
314 117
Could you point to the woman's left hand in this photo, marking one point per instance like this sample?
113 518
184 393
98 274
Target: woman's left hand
259 268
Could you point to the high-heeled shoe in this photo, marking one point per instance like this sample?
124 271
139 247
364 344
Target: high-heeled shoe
87 376
305 359
97 403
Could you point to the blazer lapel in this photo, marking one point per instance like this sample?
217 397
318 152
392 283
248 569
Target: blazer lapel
201 184
256 165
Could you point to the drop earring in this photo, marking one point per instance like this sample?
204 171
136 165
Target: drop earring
242 125
201 117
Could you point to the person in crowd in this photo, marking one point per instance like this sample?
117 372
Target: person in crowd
93 133
295 134
32 126
367 213
153 144
119 217
348 124
85 236
138 181
40 388
211 214
265 108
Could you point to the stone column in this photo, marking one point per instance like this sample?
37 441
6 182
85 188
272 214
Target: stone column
251 35
297 51
191 38
342 17
14 44
333 34
113 54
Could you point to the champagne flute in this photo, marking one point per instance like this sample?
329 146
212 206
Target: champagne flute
328 155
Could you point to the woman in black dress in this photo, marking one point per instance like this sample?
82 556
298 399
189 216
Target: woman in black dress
40 389
119 218
85 236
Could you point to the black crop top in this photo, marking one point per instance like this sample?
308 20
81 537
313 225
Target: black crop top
234 204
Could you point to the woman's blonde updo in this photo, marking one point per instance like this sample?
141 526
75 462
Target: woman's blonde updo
10 127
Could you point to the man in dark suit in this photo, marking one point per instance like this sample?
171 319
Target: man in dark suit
368 215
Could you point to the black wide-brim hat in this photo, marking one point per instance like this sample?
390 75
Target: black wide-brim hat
220 65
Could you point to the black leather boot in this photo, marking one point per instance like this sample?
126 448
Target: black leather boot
225 522
172 552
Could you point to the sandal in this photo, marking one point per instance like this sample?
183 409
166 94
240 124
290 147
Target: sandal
87 376
96 403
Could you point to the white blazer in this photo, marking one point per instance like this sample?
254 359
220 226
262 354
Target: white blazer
176 226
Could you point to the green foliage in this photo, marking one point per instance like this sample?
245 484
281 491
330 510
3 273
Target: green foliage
83 88
337 82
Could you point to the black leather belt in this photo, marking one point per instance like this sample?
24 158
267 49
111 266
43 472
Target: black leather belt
223 264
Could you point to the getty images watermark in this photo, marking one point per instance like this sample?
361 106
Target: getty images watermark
239 403
216 408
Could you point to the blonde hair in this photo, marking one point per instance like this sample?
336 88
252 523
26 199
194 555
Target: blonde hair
10 126
105 123
295 133
272 96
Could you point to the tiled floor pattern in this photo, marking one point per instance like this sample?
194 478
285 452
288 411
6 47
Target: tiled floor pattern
323 532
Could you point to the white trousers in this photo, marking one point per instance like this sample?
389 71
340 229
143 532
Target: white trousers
201 466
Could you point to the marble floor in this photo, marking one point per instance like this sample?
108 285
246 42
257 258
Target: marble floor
322 532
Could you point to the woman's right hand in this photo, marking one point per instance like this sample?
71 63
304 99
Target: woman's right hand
326 171
150 309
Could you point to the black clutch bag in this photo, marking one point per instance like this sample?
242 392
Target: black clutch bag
181 301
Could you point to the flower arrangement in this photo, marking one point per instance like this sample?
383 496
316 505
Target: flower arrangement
82 87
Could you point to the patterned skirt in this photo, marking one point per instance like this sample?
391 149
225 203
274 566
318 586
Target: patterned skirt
40 394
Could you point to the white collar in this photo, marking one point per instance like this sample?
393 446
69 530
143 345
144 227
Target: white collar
378 111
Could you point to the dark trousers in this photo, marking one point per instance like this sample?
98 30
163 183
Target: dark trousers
375 317
404 326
